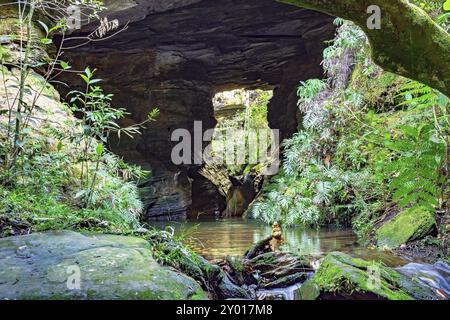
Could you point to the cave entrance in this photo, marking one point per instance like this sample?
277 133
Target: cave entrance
241 137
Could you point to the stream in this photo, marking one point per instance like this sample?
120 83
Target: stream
216 239
233 237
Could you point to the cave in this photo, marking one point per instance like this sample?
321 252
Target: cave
349 200
176 55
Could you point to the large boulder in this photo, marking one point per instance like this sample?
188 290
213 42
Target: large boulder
341 276
411 224
46 266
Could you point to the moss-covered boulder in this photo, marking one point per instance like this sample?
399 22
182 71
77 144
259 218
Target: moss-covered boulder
410 224
70 265
342 277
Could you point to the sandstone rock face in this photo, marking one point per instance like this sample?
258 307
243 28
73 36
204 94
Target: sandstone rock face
49 111
40 266
176 54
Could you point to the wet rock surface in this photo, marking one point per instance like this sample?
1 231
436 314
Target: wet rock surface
37 266
437 276
341 276
239 277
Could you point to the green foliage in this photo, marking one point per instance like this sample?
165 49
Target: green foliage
256 113
31 38
432 7
97 122
421 169
44 197
309 89
311 189
169 249
45 193
414 172
59 176
349 41
312 193
375 143
233 133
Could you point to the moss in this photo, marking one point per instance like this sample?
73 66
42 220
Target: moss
342 274
380 88
266 259
348 277
200 295
411 224
236 264
308 291
111 267
426 59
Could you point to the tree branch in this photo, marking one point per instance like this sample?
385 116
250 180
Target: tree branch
409 43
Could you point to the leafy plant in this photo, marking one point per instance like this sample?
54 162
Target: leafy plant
421 169
414 172
73 182
371 142
97 122
32 43
234 132
309 89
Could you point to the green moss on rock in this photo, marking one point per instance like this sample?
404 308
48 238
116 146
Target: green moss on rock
342 275
38 266
410 224
308 291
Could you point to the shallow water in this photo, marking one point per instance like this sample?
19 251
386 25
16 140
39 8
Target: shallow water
436 276
217 239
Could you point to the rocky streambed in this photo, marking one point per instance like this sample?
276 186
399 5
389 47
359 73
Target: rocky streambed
263 273
71 265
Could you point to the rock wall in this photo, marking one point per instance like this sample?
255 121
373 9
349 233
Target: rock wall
175 55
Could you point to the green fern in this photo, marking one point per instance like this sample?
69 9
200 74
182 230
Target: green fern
415 171
420 168
309 89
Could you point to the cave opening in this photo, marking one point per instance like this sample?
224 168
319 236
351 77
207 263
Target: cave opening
256 44
242 140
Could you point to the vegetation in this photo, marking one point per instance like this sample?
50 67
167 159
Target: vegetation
230 130
59 174
372 152
369 144
340 275
410 224
408 42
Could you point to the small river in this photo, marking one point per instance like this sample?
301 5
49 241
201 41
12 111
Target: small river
216 239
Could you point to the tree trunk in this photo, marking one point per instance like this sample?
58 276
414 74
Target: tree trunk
409 43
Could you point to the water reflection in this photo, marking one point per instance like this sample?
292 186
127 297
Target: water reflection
217 239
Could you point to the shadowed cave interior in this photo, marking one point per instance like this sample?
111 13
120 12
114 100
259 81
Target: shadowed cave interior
176 57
